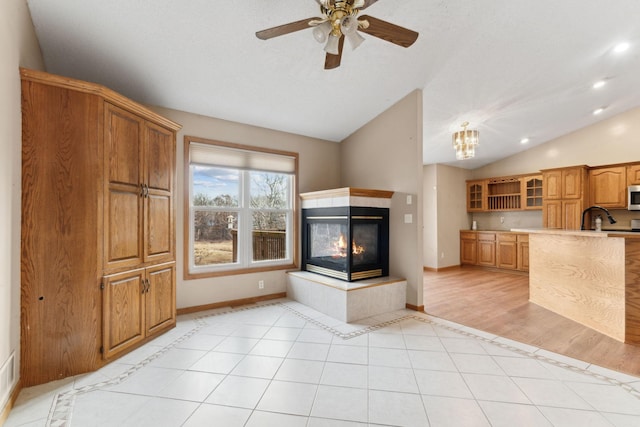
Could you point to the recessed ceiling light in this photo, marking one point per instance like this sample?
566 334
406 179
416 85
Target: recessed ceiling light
599 84
598 111
621 47
524 140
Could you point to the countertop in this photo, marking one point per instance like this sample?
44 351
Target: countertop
581 233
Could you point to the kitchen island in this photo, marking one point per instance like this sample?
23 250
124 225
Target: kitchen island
587 276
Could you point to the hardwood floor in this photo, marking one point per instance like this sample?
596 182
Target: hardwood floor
498 302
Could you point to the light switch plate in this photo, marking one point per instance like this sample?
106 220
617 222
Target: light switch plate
408 218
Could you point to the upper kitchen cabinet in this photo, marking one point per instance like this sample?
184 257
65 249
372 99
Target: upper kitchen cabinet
506 193
532 190
608 187
98 176
476 195
565 192
633 174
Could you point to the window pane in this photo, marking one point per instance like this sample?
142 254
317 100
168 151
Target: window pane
269 190
215 237
269 236
215 186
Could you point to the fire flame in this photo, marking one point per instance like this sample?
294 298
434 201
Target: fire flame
340 248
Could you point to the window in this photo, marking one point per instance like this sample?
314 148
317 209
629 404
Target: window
240 206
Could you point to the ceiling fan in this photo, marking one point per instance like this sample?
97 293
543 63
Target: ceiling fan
339 21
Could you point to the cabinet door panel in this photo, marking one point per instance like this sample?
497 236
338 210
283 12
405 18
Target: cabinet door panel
123 132
572 183
160 157
552 184
487 253
158 228
506 254
160 297
552 214
572 214
123 202
468 252
633 175
123 222
123 311
523 256
609 187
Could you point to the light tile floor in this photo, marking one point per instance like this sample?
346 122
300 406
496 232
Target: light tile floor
284 364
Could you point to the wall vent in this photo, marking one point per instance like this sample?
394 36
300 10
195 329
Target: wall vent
7 379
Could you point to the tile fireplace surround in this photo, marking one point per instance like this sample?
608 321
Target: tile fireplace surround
343 300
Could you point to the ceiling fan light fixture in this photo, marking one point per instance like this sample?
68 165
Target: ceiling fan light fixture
349 28
321 31
332 45
465 142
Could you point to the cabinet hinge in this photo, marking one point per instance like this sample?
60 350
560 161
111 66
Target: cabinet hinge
102 285
101 350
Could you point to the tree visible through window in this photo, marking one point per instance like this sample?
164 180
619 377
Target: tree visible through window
239 217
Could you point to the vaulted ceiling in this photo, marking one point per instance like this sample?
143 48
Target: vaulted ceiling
512 68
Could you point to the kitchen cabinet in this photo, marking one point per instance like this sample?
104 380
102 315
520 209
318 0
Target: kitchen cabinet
506 251
506 193
468 247
633 174
532 190
486 249
523 252
476 195
608 187
565 191
98 180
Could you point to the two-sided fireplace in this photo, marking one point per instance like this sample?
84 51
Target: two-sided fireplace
348 242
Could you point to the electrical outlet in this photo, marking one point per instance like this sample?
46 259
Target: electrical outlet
501 220
260 284
442 255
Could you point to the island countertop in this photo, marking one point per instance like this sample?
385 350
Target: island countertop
581 233
591 277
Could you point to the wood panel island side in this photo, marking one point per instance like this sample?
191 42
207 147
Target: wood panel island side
590 277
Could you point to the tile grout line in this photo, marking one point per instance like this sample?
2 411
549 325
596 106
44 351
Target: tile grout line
62 407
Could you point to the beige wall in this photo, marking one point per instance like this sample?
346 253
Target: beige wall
614 140
18 47
610 141
318 170
445 210
386 154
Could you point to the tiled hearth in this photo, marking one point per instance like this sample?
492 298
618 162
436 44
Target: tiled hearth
347 301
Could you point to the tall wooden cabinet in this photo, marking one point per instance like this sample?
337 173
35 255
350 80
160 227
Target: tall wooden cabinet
565 193
98 226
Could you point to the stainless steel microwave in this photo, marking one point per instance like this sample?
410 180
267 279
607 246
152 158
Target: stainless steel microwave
634 198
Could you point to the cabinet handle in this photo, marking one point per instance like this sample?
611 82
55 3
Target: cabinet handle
141 190
146 191
148 285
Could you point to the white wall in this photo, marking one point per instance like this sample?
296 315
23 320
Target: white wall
386 154
430 209
318 170
18 47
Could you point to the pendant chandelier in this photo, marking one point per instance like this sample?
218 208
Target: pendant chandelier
465 141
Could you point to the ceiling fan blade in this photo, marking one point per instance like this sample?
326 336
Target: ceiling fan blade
389 32
367 3
281 30
333 61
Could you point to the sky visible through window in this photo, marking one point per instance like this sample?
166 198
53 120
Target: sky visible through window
213 181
